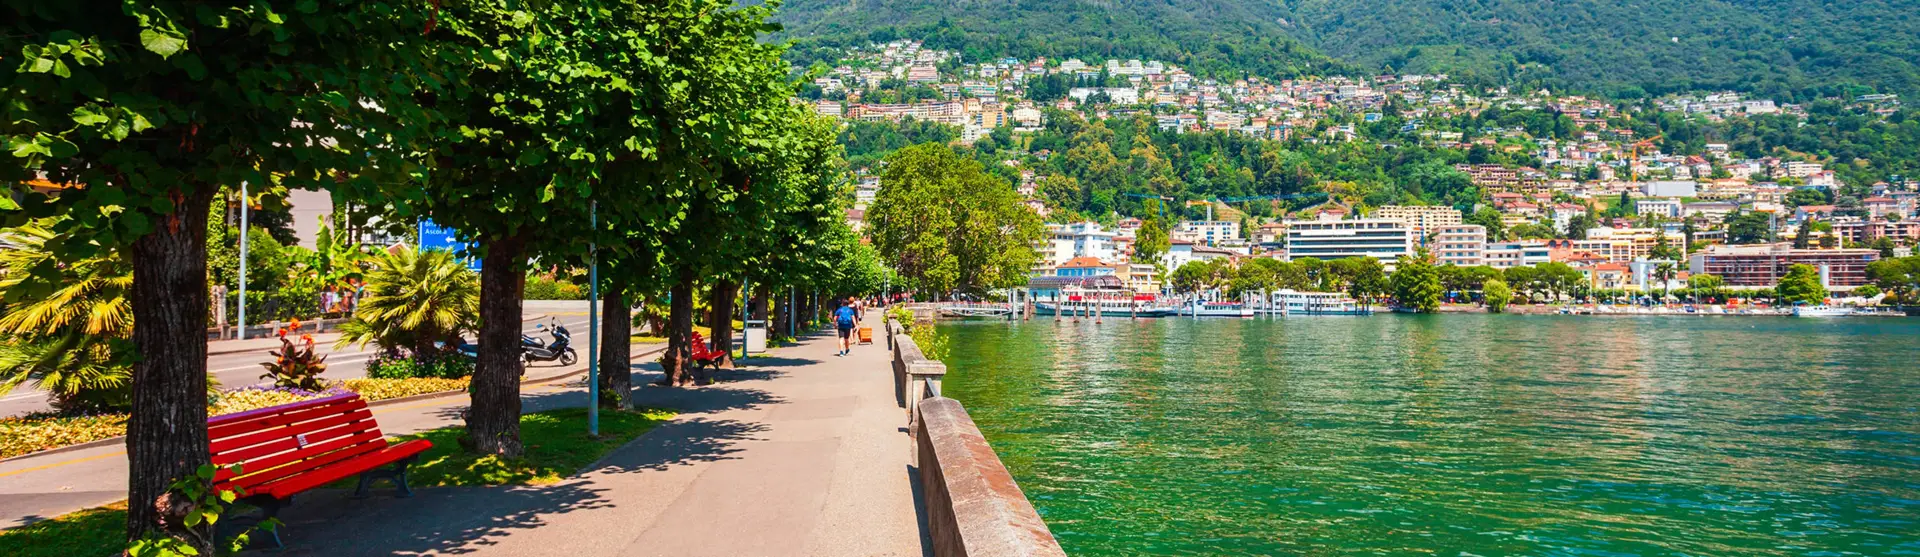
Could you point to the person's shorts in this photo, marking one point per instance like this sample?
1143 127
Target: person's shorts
846 332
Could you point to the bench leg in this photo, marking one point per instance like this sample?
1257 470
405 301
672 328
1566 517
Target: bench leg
397 474
269 511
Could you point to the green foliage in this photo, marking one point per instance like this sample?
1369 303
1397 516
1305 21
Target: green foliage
544 287
95 531
193 508
1498 294
1899 278
1219 38
867 143
432 366
1801 284
295 366
70 341
414 299
1416 283
947 226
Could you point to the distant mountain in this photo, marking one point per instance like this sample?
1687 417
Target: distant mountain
1787 49
1216 37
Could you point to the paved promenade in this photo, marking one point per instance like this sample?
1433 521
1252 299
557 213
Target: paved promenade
798 453
48 485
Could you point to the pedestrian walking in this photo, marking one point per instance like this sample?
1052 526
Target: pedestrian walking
844 319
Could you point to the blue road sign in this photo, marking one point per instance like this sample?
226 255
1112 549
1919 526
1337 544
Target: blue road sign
436 237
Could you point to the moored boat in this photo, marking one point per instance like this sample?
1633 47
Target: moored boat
1294 302
1822 310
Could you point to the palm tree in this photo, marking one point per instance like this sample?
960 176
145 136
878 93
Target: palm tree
68 338
415 299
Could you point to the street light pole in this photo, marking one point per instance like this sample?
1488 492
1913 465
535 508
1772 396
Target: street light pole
243 261
593 324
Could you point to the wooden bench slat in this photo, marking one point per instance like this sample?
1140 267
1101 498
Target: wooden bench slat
242 423
246 457
313 456
225 447
344 468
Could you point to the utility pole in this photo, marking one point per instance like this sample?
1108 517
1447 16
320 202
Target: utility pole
243 260
746 312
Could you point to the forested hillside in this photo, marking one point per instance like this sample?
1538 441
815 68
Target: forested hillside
1782 49
1212 37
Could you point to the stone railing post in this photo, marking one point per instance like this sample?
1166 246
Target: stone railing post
923 382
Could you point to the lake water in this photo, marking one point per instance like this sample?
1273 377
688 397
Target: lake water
1456 434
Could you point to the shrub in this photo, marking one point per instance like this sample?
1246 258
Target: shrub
413 300
404 367
540 287
382 389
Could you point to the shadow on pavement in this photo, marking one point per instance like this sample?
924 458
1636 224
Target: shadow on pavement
447 521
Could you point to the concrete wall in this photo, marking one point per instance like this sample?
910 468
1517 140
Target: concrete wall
974 508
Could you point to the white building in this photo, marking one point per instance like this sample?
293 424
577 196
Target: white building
1081 239
1665 207
1505 255
1460 244
1382 239
1670 188
1209 232
1423 219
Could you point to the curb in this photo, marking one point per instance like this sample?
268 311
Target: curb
375 404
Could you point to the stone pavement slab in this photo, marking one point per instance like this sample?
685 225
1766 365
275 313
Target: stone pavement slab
799 453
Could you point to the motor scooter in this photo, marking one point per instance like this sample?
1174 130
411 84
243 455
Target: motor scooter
532 350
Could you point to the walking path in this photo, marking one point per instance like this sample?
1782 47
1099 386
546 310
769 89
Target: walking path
798 453
38 487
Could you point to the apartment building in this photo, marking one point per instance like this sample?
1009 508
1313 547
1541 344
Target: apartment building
1761 266
1424 220
1506 255
1622 245
1459 244
1380 239
1209 232
1066 242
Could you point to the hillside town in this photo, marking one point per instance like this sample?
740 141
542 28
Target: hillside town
1600 203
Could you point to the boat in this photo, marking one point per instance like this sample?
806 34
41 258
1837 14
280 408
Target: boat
966 311
1822 310
1294 302
1202 308
1107 304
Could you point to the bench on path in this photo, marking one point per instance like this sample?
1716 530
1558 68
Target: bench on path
285 450
704 354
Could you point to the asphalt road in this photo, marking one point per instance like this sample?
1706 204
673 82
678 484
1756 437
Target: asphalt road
243 369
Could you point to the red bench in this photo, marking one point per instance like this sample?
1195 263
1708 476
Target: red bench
704 354
285 450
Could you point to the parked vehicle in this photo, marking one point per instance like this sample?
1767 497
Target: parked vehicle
532 350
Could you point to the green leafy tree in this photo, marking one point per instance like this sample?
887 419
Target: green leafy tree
948 226
1899 278
1416 284
1490 219
1498 294
1151 243
148 109
1801 284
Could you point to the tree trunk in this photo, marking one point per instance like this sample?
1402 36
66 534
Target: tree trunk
493 423
779 321
616 354
678 361
167 432
721 324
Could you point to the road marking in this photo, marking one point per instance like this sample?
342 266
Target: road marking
61 463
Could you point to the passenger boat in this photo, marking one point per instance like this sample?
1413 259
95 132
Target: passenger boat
1119 305
1202 308
1294 302
1823 310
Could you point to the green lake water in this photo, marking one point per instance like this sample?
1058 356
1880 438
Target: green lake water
1456 434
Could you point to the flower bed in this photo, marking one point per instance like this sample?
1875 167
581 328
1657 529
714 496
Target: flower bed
38 432
382 389
255 398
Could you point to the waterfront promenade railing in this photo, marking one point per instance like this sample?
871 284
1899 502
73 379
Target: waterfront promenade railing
974 508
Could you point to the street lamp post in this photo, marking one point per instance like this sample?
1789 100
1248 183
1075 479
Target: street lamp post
593 324
243 261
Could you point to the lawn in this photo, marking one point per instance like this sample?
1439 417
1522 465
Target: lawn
557 446
98 531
